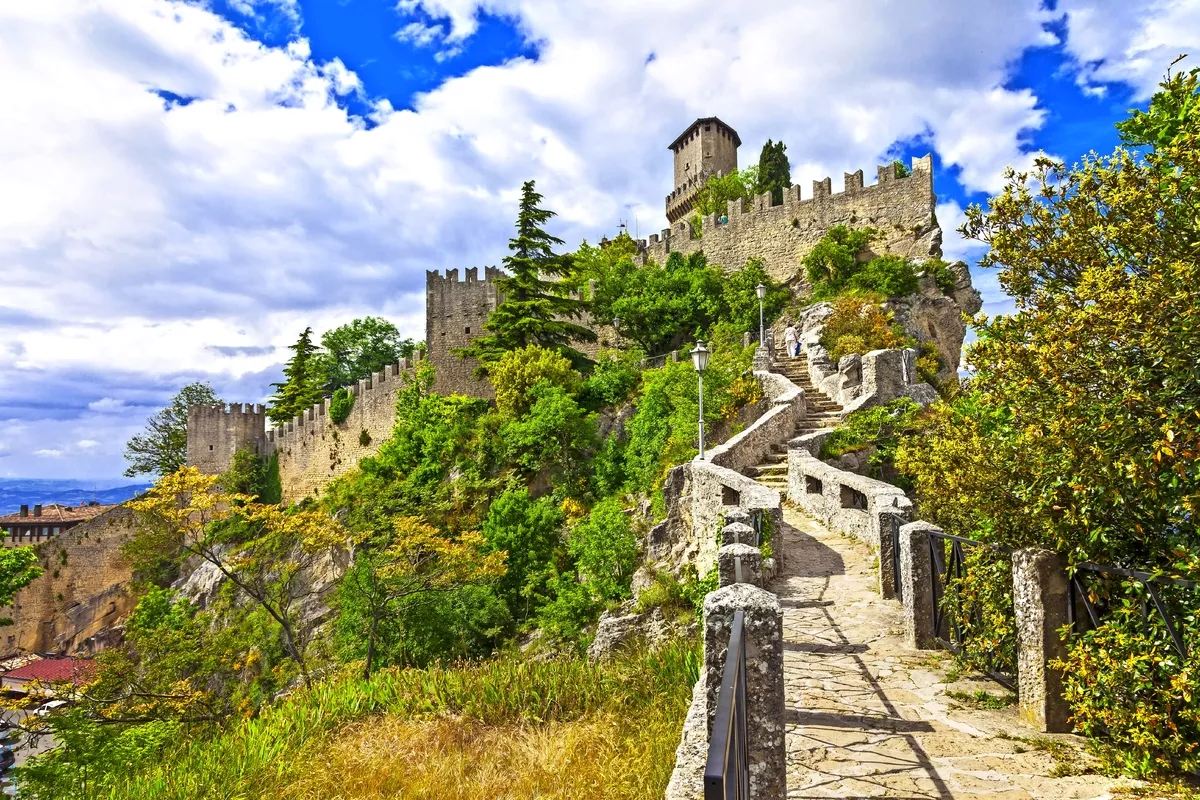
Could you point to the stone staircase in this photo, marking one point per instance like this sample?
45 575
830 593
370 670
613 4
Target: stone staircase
821 413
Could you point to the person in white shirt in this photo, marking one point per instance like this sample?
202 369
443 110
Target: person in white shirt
791 340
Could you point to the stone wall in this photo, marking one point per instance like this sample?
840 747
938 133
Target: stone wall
216 432
313 449
902 209
83 593
776 425
842 501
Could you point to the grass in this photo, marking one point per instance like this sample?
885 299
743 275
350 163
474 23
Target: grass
982 699
453 723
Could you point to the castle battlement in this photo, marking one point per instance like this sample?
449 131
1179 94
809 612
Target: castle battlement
312 421
901 208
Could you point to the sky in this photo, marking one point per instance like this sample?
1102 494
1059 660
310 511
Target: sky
185 186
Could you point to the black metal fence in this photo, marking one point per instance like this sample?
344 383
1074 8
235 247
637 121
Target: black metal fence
1096 600
727 772
947 569
897 567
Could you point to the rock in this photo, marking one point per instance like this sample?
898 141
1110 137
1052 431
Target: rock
201 585
620 629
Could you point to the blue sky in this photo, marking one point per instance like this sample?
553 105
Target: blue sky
190 184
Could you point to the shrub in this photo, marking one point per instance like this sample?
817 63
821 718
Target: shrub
835 258
1126 684
859 325
340 405
881 427
517 371
940 269
891 276
605 551
612 381
981 604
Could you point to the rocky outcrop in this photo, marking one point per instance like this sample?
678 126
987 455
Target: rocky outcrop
929 315
622 628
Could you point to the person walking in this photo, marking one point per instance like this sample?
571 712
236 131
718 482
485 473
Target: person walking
791 340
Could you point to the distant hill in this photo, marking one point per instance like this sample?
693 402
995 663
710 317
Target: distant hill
30 491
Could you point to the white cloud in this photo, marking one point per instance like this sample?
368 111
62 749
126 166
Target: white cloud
180 200
1112 41
87 444
48 453
420 34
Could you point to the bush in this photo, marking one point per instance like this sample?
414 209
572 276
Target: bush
1126 684
981 604
882 427
340 405
517 371
835 258
940 269
605 551
612 381
859 325
891 276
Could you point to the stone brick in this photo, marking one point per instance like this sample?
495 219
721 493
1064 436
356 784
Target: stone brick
763 626
1040 588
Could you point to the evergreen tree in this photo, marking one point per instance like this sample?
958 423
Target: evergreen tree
532 310
162 447
302 385
774 172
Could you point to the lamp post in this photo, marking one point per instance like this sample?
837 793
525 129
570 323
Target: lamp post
761 291
700 361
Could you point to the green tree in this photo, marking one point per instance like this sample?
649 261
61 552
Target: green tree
302 385
535 308
516 373
719 190
739 291
774 171
162 447
605 550
398 568
528 531
358 349
553 439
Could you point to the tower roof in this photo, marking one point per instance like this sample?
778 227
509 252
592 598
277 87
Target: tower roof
737 140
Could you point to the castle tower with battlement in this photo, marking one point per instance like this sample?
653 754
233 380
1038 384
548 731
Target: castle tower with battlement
216 432
708 147
455 313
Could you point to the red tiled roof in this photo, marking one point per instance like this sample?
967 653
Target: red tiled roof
56 513
50 670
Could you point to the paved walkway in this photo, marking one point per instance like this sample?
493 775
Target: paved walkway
869 718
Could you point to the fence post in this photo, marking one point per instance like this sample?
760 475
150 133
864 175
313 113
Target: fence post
738 533
1040 588
763 626
739 563
916 570
889 525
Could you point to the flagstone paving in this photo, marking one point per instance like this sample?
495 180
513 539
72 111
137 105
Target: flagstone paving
869 718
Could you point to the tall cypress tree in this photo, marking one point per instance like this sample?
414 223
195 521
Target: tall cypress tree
774 172
302 384
535 309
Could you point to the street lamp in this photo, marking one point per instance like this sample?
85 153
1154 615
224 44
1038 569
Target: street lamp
700 360
761 291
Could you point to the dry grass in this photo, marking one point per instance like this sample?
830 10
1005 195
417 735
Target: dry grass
598 756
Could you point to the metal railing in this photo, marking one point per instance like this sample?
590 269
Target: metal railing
1153 586
727 772
952 568
897 568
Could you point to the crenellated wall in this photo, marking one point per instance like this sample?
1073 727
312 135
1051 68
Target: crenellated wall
216 432
313 449
901 208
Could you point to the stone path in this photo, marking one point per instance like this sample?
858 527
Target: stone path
869 718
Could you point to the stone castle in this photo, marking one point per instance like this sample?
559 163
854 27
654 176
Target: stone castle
312 449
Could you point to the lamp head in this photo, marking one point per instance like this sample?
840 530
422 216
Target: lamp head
700 357
761 290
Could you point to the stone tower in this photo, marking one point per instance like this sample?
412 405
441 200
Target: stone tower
216 432
707 147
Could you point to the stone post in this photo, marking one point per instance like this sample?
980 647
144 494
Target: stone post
739 563
765 748
1040 588
916 568
737 533
890 521
737 515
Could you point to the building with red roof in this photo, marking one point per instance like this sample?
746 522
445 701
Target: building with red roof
40 676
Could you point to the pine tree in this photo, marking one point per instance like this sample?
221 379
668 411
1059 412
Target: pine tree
302 381
535 309
774 172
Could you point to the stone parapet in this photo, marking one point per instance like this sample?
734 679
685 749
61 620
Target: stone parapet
774 427
916 568
845 502
739 563
763 631
1040 591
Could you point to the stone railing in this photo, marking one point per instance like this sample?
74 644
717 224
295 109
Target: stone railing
742 575
774 426
881 515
